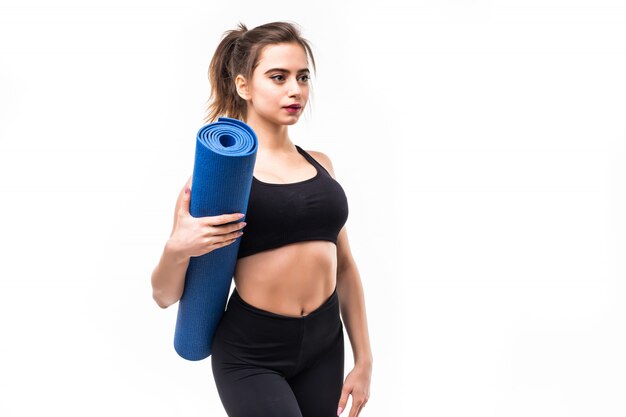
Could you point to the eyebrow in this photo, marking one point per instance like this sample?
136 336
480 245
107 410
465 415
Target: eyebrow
285 70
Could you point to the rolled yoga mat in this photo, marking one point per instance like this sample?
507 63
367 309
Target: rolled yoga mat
221 181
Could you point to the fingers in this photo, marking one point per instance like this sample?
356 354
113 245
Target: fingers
232 235
343 400
358 401
356 408
224 232
224 243
221 219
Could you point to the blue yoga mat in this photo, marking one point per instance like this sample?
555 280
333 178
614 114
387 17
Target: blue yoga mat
221 181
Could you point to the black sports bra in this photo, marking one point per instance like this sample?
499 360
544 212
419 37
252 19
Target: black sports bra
278 214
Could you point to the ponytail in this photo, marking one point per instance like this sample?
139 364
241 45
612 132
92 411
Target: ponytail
224 99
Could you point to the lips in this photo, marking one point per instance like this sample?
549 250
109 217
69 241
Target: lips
293 106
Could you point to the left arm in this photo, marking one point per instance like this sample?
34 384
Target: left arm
352 302
352 306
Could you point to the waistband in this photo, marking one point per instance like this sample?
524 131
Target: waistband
331 303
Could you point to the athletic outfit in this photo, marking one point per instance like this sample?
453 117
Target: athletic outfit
267 364
313 209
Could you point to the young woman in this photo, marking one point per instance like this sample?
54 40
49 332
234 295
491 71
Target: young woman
279 348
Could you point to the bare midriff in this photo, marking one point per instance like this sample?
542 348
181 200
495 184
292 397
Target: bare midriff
291 280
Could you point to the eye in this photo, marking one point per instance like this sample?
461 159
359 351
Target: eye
274 77
305 78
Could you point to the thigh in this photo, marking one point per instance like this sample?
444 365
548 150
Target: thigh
250 354
318 387
249 391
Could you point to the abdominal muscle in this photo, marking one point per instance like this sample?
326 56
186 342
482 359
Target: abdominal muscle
291 280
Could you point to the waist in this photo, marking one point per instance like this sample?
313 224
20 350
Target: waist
291 280
330 306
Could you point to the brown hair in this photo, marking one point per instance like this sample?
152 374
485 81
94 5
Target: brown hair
238 53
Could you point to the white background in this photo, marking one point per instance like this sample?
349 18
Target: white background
482 146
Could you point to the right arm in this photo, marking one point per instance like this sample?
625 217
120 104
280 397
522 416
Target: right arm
168 278
190 236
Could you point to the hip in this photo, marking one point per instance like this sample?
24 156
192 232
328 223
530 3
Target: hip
251 336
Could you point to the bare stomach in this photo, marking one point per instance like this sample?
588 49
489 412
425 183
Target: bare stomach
291 280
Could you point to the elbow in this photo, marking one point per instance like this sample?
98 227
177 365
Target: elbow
162 301
163 293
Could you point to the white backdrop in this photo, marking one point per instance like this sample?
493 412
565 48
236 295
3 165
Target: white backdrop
482 147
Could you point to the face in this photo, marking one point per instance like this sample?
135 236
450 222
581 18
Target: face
280 79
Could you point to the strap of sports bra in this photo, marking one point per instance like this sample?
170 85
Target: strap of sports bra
312 160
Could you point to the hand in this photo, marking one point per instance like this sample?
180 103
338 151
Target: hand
357 383
196 236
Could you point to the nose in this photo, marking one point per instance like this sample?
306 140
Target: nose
294 88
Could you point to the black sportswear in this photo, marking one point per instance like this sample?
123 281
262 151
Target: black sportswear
278 214
270 365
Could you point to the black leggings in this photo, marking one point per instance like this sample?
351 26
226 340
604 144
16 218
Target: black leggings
267 364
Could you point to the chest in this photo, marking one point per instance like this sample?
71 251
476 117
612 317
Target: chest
322 200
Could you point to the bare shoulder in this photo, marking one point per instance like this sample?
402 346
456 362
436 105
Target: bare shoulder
324 160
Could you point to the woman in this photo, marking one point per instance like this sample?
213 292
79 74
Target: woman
279 348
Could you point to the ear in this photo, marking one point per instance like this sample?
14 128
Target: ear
242 87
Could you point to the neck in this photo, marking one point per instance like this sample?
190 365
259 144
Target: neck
272 137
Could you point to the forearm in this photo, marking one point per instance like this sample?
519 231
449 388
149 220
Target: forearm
352 305
168 278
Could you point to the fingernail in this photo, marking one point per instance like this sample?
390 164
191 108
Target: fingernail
186 190
241 215
339 410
